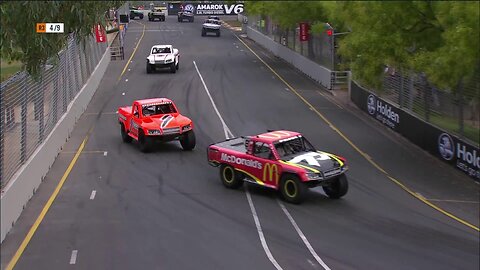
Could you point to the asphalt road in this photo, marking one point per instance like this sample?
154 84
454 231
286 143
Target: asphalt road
168 210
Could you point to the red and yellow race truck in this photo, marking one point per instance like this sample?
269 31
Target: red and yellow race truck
282 160
156 119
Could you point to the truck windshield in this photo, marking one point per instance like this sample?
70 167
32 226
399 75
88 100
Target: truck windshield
150 110
293 147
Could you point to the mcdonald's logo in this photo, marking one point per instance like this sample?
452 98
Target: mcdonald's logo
275 134
272 171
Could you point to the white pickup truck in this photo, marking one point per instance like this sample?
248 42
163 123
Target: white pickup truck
211 26
163 56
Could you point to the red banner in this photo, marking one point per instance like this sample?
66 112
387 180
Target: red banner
304 31
100 34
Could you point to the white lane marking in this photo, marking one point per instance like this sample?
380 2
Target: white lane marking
129 69
249 198
92 196
73 257
126 80
105 153
227 131
260 231
303 237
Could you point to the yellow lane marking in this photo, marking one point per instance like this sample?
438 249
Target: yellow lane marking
453 201
134 51
45 209
50 201
83 152
466 223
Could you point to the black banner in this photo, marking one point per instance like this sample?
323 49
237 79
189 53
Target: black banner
447 147
216 8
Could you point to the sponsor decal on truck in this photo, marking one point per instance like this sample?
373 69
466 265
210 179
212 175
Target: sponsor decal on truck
241 161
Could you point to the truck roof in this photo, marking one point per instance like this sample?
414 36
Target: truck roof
153 101
275 136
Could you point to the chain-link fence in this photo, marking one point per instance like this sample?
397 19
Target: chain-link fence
457 112
319 47
30 109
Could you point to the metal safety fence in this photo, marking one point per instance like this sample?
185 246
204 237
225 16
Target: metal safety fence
455 111
319 47
30 108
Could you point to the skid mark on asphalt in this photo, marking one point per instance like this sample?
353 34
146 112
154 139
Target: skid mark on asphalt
362 153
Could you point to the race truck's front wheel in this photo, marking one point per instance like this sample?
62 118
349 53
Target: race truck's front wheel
188 141
337 188
218 33
173 69
230 177
149 68
125 137
292 189
204 33
143 142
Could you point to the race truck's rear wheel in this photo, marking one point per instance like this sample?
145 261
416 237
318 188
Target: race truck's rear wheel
292 189
230 177
173 69
337 188
125 137
188 141
143 142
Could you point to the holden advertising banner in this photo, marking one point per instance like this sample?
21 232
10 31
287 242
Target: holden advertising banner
216 8
447 147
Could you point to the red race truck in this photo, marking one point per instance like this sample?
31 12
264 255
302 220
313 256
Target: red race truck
156 119
282 160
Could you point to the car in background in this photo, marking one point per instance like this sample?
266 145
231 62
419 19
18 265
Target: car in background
163 56
135 13
211 26
156 13
155 120
185 15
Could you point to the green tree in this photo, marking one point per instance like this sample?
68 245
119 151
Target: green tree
19 40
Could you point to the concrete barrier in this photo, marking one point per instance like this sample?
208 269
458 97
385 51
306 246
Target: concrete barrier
313 70
28 178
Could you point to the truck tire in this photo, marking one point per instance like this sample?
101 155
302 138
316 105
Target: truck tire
338 188
141 17
173 69
177 66
188 141
143 142
149 68
125 137
190 20
204 33
230 178
218 33
292 189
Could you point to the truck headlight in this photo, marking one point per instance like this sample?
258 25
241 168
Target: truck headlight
186 127
169 60
154 132
151 61
314 176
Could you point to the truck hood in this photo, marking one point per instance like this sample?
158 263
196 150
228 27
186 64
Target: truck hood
320 161
166 121
160 56
211 26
